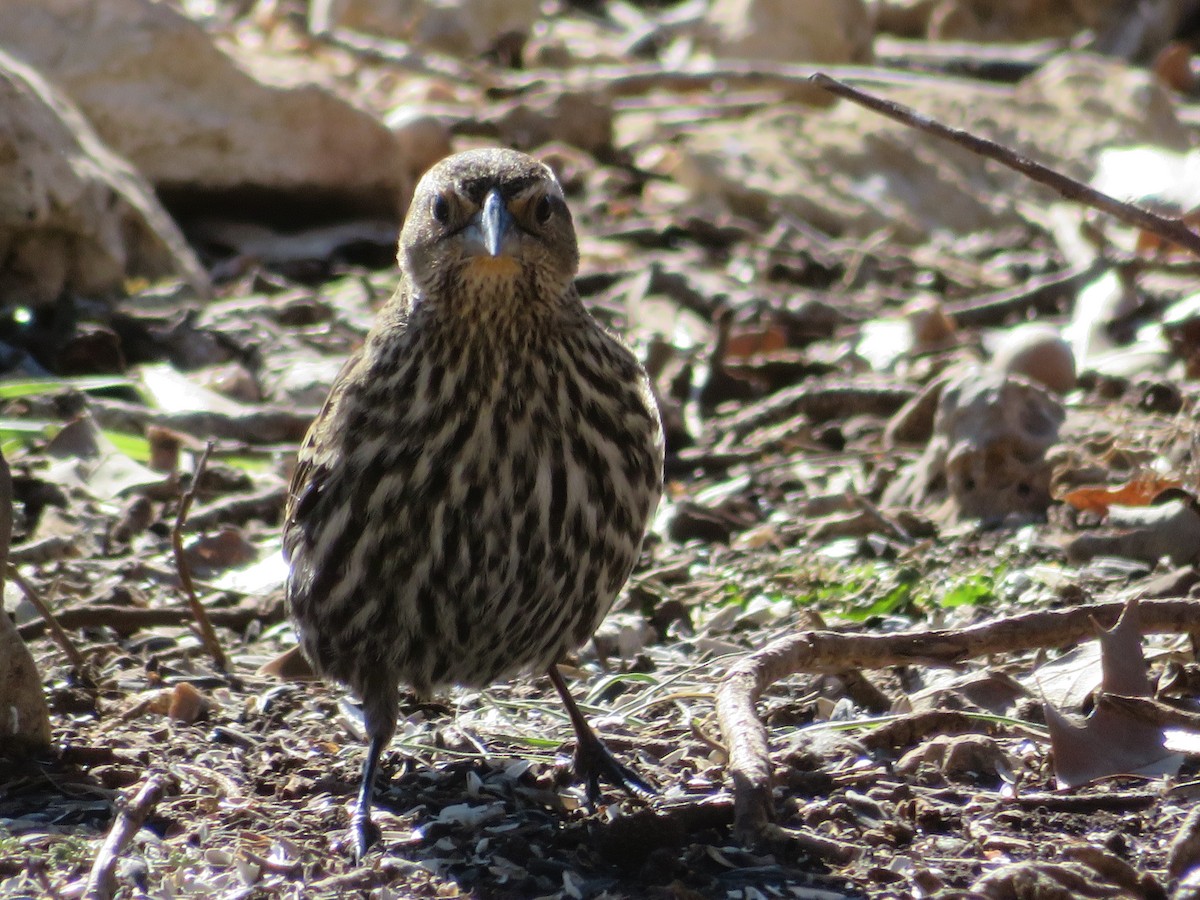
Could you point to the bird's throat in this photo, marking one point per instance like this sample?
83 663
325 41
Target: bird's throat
492 268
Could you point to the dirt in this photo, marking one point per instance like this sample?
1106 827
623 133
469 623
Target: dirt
757 334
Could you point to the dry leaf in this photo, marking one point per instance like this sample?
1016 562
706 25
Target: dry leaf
1135 492
1110 741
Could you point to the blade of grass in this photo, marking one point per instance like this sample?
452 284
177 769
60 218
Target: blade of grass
31 387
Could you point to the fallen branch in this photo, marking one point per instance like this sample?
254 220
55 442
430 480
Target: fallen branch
1174 230
102 880
266 505
1041 295
819 399
254 426
207 633
830 651
792 81
126 620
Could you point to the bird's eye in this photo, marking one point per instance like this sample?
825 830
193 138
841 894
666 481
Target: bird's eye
441 209
542 211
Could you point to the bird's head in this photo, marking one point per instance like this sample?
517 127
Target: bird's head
489 223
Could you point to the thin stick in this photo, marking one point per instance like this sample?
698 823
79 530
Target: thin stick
1169 229
125 620
207 633
102 880
59 635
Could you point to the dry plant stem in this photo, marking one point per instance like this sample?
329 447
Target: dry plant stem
828 651
1038 294
1092 802
207 633
56 630
1169 229
126 620
254 427
791 80
821 399
102 880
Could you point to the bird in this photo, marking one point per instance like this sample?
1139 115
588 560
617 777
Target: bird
475 491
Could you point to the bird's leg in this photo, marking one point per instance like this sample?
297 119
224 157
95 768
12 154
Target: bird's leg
380 705
361 826
593 760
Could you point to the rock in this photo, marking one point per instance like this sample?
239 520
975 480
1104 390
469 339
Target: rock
1118 27
74 216
456 27
987 455
828 31
577 118
1039 353
194 121
422 139
850 172
904 18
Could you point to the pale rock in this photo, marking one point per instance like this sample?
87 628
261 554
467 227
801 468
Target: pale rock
457 27
1040 353
192 119
577 118
422 139
1116 27
828 31
904 18
987 456
74 216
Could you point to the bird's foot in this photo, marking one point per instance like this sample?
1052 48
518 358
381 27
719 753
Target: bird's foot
363 833
594 761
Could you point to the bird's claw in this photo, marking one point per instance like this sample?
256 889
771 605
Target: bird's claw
593 761
363 833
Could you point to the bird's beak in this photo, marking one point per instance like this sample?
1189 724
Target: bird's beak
495 223
493 238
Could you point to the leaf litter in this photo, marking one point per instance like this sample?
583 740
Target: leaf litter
896 743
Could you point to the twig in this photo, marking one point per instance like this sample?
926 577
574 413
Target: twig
207 633
125 620
253 426
820 399
793 81
992 62
266 504
829 651
57 632
102 880
1173 230
1038 294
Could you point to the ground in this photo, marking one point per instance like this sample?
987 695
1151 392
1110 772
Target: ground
784 359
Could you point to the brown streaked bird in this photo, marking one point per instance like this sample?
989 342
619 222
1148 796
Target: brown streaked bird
475 491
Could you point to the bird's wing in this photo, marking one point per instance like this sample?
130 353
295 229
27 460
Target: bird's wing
312 475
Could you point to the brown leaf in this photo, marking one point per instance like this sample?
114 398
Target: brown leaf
1135 492
1111 741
